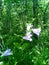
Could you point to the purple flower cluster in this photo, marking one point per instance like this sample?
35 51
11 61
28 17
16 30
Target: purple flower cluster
28 32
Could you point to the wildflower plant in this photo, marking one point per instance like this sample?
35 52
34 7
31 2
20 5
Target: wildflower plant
30 29
28 32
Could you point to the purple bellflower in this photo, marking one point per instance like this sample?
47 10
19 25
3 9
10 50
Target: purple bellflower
36 31
7 52
28 36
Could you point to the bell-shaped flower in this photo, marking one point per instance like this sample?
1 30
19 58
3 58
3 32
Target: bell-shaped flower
29 26
7 52
28 36
36 31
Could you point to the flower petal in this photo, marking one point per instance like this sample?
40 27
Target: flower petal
29 25
36 31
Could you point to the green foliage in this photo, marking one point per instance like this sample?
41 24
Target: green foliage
13 18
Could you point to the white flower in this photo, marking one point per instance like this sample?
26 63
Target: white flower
36 31
7 52
28 36
29 26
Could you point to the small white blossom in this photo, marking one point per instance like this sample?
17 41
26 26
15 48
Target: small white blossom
29 26
36 31
28 36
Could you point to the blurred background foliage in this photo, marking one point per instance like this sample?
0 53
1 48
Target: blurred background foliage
14 14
